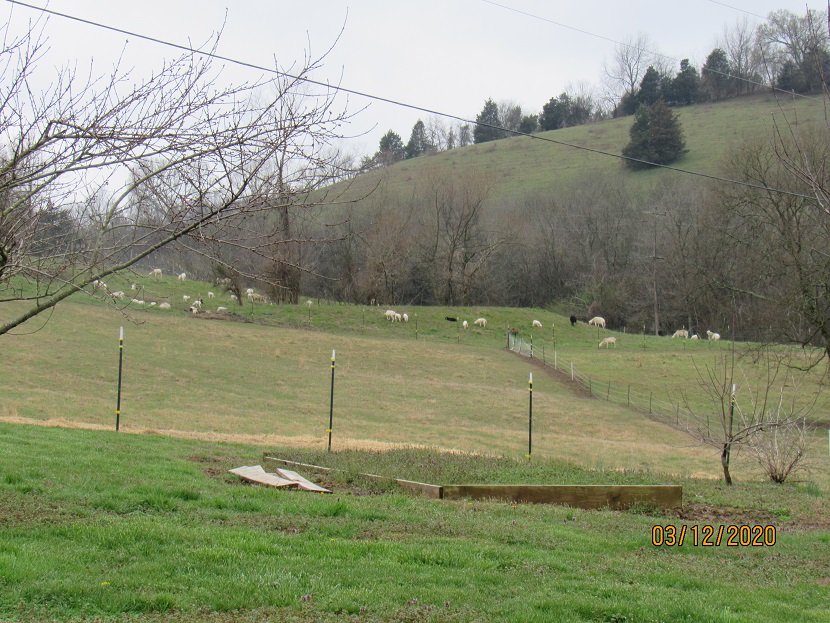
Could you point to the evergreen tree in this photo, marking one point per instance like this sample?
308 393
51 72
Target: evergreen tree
555 113
488 124
529 124
418 144
685 86
649 91
656 136
391 148
716 79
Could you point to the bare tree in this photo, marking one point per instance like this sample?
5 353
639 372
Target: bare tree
98 174
788 36
625 71
739 43
770 413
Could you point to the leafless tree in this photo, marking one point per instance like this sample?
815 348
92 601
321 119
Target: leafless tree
739 43
624 72
773 411
789 36
98 174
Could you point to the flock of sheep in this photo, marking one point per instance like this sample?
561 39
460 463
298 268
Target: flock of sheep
390 314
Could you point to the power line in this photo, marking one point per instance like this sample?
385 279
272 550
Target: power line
387 100
734 8
653 53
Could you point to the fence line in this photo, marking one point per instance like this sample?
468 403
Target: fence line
623 395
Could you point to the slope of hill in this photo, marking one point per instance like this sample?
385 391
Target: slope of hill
523 165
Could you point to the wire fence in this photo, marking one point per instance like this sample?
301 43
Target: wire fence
624 395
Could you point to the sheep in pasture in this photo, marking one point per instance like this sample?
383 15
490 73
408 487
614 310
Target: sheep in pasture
451 319
712 336
481 322
464 324
182 277
681 333
156 272
197 304
193 310
598 321
211 295
153 304
309 302
219 310
164 306
607 341
406 317
137 302
536 323
185 298
695 337
249 292
118 295
573 320
390 314
133 287
258 298
234 297
397 317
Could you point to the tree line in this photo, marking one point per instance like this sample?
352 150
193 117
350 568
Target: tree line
788 52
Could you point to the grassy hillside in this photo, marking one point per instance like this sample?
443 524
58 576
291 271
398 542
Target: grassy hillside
263 373
523 165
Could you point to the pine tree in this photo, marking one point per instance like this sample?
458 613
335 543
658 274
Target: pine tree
656 136
488 124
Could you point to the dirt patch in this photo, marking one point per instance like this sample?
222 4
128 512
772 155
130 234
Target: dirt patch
705 513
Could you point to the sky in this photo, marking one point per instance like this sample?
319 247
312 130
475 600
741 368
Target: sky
448 56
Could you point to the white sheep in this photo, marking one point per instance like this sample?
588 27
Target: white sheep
118 295
211 295
194 310
219 310
156 272
185 298
133 287
712 336
390 314
464 324
249 292
258 298
137 302
681 333
397 317
309 302
234 297
481 322
607 341
695 337
164 306
406 318
598 321
197 304
182 276
536 323
153 304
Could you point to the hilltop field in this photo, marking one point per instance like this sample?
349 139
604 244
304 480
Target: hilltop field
147 525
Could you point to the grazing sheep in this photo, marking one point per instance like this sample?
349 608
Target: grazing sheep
481 322
137 302
258 298
451 319
153 304
211 295
406 318
397 317
156 272
234 297
464 324
185 298
536 323
712 336
249 292
118 295
182 277
695 337
164 306
607 341
681 333
219 310
573 321
133 287
197 304
598 321
309 302
193 310
390 314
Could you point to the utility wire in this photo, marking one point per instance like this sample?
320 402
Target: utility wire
734 8
387 100
653 53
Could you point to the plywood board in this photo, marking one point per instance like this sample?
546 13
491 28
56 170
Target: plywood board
302 483
257 475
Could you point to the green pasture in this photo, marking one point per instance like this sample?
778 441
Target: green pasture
263 372
101 526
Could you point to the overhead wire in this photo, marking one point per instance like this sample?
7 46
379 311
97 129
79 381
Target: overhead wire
378 98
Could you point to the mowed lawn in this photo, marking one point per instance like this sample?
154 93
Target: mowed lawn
263 384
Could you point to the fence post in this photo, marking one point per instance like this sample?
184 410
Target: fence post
555 362
628 400
572 371
531 347
331 403
120 367
649 403
608 393
530 418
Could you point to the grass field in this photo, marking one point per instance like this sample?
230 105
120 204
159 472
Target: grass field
99 526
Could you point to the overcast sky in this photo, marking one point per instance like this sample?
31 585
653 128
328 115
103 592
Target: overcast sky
444 55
